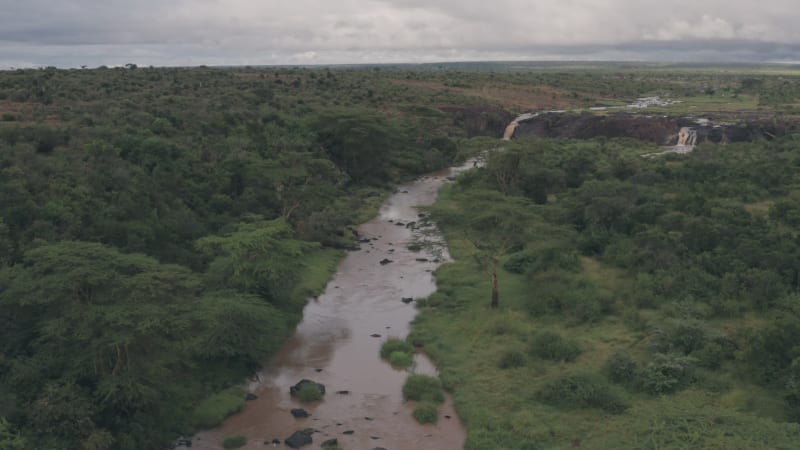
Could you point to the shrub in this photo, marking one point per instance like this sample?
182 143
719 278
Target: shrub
395 345
684 336
426 412
309 393
582 391
401 359
667 373
715 353
423 388
512 359
621 367
552 346
234 442
214 409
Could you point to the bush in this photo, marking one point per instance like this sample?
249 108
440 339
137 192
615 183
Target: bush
512 359
309 393
621 367
234 442
667 374
214 409
395 345
401 359
423 388
550 345
715 353
426 412
582 391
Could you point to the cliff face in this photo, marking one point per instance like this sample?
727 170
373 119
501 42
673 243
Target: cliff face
656 129
479 121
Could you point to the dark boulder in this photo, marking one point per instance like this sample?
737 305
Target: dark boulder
250 397
348 432
293 390
299 439
330 443
407 300
343 392
300 413
183 443
386 261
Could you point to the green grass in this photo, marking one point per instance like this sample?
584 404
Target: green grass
550 403
401 359
426 412
423 388
320 266
398 352
234 442
214 409
394 344
309 393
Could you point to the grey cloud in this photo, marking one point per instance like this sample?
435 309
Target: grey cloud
184 32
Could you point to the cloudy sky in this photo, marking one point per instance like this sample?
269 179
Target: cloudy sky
71 33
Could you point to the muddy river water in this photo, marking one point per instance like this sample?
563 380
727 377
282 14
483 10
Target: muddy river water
337 344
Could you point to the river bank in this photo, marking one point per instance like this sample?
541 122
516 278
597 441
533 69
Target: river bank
338 342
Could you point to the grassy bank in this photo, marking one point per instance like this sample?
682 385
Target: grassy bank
575 356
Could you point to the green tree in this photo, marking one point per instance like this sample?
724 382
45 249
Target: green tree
261 257
359 142
493 225
9 438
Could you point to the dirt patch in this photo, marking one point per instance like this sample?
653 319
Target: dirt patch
509 96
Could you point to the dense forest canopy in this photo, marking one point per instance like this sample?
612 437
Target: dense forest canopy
160 229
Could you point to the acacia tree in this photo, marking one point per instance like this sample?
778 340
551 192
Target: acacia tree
261 257
493 225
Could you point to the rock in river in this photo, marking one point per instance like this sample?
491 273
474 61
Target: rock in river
293 390
299 439
386 261
300 413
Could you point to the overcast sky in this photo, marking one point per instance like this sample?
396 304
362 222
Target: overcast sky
71 33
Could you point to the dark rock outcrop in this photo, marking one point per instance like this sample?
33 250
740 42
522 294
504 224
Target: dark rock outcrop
479 121
660 130
300 413
299 439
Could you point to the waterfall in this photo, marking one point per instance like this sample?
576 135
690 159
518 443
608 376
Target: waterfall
687 137
512 127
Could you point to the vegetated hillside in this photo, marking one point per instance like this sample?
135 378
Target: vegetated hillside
643 303
160 230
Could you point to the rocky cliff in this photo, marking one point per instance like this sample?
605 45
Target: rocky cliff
660 130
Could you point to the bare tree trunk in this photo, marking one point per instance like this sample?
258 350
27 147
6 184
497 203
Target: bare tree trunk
495 292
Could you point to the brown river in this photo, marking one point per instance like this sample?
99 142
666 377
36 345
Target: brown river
337 344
